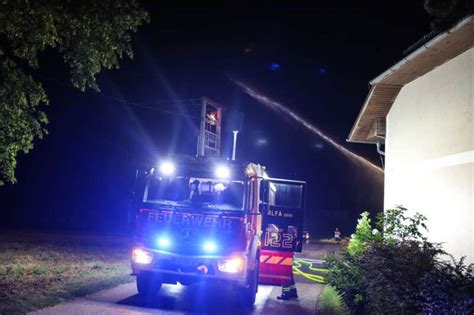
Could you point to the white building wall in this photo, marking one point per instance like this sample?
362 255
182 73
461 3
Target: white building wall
430 153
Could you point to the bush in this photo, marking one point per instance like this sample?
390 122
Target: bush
448 289
346 276
345 272
331 302
392 275
398 271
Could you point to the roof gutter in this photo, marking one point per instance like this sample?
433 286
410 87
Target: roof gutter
422 49
362 141
377 143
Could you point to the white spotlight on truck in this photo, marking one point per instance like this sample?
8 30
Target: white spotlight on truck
222 171
167 168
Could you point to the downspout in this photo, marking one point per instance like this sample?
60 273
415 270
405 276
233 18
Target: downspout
379 150
378 144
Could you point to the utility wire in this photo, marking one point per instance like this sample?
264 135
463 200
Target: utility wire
149 107
131 103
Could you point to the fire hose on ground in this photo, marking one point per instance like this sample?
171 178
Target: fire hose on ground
308 263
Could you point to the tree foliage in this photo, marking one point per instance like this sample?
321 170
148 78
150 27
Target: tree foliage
89 36
447 12
395 224
362 235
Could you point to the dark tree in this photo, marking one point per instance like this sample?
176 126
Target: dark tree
89 35
447 12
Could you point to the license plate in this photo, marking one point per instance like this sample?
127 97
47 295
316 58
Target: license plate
185 262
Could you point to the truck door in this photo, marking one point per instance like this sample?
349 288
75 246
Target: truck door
282 209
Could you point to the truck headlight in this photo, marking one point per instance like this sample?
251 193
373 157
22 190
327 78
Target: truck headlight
231 265
140 256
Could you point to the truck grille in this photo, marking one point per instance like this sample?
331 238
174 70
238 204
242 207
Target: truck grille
194 248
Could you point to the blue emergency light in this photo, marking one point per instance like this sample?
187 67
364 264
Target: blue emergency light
164 242
209 247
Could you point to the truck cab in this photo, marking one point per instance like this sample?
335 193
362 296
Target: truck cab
201 219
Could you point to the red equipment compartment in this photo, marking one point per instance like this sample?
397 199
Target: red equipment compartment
276 267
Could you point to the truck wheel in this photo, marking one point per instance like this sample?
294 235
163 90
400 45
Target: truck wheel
249 293
148 284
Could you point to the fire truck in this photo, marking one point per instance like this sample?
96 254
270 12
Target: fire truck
206 218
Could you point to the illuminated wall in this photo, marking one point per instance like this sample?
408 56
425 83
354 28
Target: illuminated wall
430 153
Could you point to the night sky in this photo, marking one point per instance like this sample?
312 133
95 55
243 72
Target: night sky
317 59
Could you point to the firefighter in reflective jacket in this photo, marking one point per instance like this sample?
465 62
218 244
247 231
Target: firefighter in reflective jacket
288 291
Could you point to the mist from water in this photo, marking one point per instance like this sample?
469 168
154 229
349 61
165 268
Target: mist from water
280 108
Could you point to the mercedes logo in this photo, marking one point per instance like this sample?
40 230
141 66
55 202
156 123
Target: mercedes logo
185 234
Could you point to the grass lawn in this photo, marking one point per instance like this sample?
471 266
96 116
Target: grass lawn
39 270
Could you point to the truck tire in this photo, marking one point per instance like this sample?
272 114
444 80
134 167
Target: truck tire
148 284
249 293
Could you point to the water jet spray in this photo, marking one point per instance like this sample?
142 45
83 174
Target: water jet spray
280 108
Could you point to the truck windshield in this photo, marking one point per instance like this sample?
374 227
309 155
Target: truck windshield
195 192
